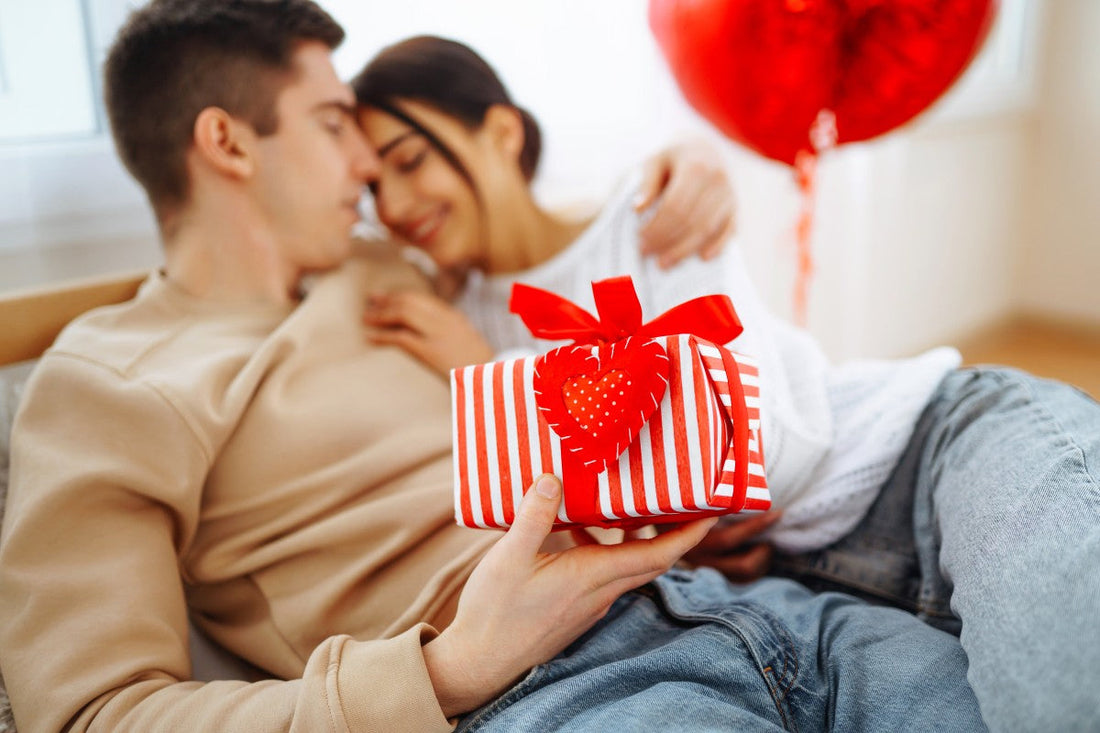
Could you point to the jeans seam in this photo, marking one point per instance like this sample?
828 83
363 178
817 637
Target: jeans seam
780 692
1009 377
1082 460
789 659
790 666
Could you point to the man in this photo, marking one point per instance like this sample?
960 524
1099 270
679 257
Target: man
225 447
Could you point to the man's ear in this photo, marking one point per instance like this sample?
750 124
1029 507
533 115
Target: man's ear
225 143
504 127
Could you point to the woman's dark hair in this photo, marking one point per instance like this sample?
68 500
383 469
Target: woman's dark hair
450 77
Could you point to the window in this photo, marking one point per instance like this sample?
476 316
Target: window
1003 77
46 88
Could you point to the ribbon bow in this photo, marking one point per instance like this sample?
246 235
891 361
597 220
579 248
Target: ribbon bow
550 316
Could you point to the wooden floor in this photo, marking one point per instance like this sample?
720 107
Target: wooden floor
1068 353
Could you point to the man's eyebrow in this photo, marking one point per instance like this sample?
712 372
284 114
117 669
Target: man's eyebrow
395 142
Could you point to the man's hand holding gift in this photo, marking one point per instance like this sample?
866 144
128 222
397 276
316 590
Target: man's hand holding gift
522 606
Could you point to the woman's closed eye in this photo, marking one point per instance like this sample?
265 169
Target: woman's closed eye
411 160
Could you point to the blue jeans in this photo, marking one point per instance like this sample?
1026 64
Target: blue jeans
692 652
989 527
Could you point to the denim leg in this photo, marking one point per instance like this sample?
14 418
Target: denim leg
695 653
1004 531
892 556
1012 474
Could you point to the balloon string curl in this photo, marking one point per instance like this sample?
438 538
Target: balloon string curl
822 137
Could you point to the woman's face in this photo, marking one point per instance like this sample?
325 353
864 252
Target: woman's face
419 195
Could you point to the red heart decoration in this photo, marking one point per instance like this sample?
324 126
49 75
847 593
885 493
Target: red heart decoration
763 70
596 405
596 398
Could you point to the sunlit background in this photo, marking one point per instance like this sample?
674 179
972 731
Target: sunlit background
985 209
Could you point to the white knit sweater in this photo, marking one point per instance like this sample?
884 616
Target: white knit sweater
831 434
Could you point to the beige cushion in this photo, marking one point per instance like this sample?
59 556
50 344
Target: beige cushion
11 386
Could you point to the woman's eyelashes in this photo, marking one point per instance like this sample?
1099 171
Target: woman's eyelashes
409 161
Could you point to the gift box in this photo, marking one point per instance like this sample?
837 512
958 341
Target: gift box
644 423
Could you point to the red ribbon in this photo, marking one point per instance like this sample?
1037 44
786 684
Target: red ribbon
550 316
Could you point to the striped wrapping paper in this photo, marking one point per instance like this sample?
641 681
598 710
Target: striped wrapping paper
680 463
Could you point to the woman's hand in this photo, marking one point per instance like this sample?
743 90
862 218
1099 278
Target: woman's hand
521 607
428 327
733 548
695 203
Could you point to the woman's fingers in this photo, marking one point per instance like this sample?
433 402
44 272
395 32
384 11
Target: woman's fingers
426 326
742 566
408 309
411 341
669 225
655 172
726 231
734 548
640 533
711 216
582 538
732 534
695 208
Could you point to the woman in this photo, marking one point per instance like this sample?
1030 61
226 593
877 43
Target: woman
966 496
457 158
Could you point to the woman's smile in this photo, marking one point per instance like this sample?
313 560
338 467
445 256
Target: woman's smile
423 231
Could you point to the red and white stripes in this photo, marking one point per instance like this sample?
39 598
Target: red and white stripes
756 496
680 462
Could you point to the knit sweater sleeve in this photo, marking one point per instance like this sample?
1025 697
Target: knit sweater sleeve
93 620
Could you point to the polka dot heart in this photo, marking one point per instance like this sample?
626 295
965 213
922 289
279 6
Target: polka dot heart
597 405
597 398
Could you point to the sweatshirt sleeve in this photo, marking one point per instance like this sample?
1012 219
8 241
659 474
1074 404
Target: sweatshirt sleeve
106 486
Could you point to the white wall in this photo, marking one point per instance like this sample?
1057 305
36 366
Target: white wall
1060 271
919 236
929 253
589 71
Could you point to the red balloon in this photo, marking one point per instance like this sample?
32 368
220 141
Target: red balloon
763 70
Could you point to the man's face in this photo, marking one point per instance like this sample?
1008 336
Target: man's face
311 171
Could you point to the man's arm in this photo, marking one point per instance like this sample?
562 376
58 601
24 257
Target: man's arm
106 490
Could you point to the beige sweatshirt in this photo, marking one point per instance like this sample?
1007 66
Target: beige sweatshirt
265 468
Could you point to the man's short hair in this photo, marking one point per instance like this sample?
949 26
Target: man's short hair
174 58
